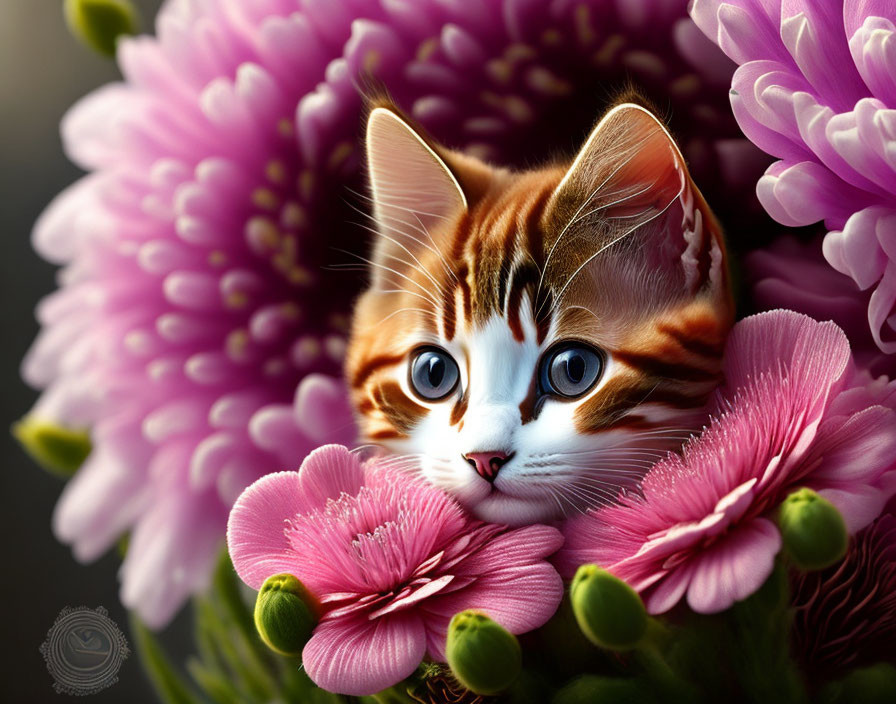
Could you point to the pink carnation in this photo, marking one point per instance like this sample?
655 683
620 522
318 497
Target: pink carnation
792 414
391 560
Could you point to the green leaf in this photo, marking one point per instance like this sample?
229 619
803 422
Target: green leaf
59 450
98 23
167 682
213 684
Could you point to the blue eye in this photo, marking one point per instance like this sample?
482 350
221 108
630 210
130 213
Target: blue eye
433 374
570 369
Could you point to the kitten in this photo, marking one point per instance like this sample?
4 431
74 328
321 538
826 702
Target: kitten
535 340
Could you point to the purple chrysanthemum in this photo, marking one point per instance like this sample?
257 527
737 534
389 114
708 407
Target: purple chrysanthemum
795 275
199 331
816 88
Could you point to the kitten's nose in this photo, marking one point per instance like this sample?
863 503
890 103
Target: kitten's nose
487 464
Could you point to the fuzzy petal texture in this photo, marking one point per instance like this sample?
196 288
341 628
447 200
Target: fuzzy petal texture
203 252
390 559
792 413
360 657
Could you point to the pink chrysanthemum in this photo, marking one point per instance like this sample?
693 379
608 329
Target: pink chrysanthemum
391 560
816 88
198 332
790 416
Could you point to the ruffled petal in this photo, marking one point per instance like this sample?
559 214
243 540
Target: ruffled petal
519 598
767 342
735 567
521 546
359 657
329 472
857 449
255 531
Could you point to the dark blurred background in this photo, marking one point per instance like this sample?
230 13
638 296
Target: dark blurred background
43 70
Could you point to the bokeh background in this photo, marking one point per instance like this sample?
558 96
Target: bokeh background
43 70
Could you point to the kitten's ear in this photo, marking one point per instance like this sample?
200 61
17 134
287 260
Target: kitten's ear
413 189
630 184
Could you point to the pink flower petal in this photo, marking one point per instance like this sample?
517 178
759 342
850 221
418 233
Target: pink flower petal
255 532
735 567
322 410
858 448
329 472
736 502
415 597
519 598
783 339
859 504
528 544
361 657
669 590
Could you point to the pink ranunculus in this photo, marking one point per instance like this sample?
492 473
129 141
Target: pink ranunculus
391 560
793 413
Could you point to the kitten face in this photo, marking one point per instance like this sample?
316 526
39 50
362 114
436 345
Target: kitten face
536 340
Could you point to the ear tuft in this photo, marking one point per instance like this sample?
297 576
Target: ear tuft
629 184
413 189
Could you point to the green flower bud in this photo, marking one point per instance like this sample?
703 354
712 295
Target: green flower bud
609 612
867 685
99 23
484 657
58 450
813 530
592 689
285 614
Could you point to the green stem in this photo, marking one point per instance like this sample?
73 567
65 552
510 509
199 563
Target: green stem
213 684
227 588
169 685
394 695
255 676
670 684
227 591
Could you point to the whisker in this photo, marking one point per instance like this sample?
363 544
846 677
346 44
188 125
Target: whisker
614 241
421 228
393 271
409 310
581 208
421 268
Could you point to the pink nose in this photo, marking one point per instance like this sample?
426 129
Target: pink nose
487 464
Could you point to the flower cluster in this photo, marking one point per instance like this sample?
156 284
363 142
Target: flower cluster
189 335
198 337
391 560
388 560
792 413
